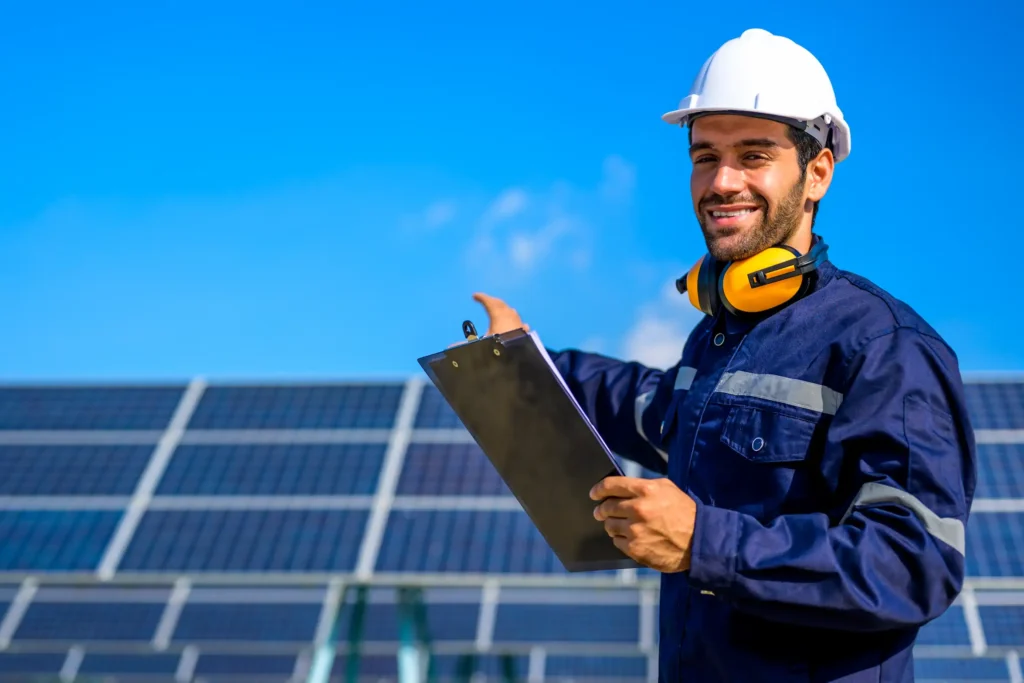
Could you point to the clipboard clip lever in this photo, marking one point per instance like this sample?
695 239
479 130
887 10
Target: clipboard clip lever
469 330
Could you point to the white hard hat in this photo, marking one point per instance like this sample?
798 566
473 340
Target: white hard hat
761 74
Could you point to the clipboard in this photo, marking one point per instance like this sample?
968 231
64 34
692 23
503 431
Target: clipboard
514 402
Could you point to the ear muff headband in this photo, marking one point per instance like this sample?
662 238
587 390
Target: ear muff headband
757 284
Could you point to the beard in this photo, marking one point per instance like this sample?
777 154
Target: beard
774 227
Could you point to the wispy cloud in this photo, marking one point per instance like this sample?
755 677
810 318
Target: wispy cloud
436 215
660 330
522 230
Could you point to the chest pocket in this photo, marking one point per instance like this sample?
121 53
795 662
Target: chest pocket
766 462
763 435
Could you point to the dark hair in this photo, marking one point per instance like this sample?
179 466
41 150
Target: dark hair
807 147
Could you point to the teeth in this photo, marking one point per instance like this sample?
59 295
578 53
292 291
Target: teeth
728 214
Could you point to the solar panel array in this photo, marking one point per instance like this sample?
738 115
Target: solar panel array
208 533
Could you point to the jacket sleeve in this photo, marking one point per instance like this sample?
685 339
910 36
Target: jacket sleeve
892 554
625 401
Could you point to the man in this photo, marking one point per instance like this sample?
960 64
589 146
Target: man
817 456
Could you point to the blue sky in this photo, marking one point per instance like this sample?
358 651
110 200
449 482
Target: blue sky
314 190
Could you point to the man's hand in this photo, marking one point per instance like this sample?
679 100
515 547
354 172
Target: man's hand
650 520
502 317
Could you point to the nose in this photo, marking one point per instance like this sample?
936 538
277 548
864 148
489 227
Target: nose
727 180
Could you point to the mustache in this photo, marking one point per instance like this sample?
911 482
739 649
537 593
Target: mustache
713 199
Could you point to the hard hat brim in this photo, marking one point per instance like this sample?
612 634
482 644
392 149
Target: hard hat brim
841 141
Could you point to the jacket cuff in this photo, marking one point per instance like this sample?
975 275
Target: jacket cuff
714 548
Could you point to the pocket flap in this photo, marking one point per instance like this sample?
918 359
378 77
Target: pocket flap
765 435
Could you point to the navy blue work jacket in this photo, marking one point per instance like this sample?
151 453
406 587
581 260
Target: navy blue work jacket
829 451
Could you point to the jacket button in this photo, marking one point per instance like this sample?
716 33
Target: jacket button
719 339
706 592
758 444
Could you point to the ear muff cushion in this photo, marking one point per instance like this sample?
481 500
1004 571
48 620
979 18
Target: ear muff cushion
693 284
707 285
735 286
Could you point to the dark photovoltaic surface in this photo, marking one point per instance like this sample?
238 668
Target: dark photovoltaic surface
449 470
54 540
1004 624
67 470
63 408
576 623
1000 471
996 405
994 544
464 541
948 629
434 412
74 621
274 469
249 622
246 541
298 407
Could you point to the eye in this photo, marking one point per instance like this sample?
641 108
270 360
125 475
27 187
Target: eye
703 159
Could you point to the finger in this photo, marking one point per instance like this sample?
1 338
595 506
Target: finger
491 304
619 527
618 487
613 508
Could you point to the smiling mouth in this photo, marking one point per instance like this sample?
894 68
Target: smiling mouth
732 214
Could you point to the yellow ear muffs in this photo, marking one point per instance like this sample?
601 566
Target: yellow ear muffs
700 284
741 295
764 281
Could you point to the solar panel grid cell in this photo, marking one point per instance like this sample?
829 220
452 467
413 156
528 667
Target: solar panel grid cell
949 629
464 541
1003 624
449 470
298 407
273 469
994 544
90 621
995 405
1000 471
246 541
68 470
247 622
54 540
81 407
434 412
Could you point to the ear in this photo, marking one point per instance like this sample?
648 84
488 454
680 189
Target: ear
819 174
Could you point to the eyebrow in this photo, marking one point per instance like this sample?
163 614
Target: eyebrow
749 142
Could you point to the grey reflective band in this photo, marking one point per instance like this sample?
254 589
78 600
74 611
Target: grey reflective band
793 392
948 530
642 403
685 377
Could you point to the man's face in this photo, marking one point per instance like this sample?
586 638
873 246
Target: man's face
746 186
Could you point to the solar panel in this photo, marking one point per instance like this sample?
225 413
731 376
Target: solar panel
247 621
994 543
102 664
1003 624
54 540
949 629
434 412
249 665
464 541
21 663
75 621
246 541
995 405
80 408
274 469
298 407
449 470
610 668
960 670
1000 471
560 623
72 470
